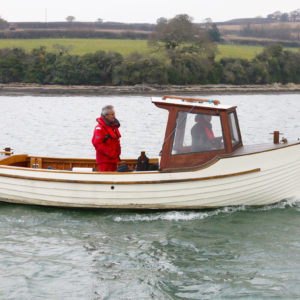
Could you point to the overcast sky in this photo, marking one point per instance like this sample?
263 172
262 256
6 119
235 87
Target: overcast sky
139 11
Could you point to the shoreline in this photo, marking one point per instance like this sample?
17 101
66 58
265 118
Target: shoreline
19 89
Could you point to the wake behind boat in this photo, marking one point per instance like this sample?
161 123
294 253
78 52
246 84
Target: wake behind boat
203 164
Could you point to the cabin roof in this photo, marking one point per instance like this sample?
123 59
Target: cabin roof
183 102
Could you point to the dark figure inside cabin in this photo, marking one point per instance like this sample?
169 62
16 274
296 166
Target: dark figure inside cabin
203 138
106 140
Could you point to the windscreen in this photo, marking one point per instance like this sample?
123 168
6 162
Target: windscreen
235 138
197 133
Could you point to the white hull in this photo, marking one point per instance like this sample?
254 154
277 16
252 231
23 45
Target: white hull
253 179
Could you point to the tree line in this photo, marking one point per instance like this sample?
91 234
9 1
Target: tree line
183 54
274 64
293 16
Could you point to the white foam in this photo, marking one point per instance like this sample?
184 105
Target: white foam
190 216
293 202
177 215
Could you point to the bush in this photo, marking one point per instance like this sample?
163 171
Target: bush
12 65
189 68
138 69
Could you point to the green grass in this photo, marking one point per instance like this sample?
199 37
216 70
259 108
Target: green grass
79 46
125 47
238 51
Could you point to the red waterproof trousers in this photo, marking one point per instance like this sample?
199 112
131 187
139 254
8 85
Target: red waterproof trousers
107 167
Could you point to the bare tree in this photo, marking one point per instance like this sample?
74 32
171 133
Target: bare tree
70 18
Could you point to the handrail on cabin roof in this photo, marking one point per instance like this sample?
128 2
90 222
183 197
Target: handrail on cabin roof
188 99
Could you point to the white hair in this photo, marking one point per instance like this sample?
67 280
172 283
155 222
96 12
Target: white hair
106 109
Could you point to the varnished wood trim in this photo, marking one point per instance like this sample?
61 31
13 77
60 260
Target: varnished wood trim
13 159
64 158
6 152
196 168
72 172
130 182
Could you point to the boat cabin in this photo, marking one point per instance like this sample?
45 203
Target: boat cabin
197 131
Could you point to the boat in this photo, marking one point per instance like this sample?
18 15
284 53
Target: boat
188 175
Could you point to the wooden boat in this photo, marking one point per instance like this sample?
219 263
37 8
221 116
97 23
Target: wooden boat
223 172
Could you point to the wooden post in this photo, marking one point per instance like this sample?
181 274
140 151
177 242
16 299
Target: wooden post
276 137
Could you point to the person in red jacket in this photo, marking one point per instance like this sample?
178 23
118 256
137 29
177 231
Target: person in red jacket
203 138
106 140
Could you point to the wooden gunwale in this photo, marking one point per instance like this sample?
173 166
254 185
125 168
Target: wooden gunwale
131 182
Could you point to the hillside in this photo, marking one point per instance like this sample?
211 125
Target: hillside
285 33
283 28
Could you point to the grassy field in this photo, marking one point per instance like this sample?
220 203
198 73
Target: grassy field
125 47
238 51
80 46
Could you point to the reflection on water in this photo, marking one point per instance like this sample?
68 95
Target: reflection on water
49 253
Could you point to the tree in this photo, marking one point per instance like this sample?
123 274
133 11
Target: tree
174 32
189 68
12 65
214 33
295 15
272 56
39 66
70 19
284 17
99 67
3 24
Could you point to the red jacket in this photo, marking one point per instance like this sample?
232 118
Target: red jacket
106 140
209 132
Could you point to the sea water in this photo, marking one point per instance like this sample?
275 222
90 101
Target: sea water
231 252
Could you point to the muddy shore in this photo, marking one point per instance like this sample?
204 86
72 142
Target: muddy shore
36 89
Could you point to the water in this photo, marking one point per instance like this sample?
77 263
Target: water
231 253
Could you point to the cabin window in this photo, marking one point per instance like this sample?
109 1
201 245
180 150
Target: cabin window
234 133
197 133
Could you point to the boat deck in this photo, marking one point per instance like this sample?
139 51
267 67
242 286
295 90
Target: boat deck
249 149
